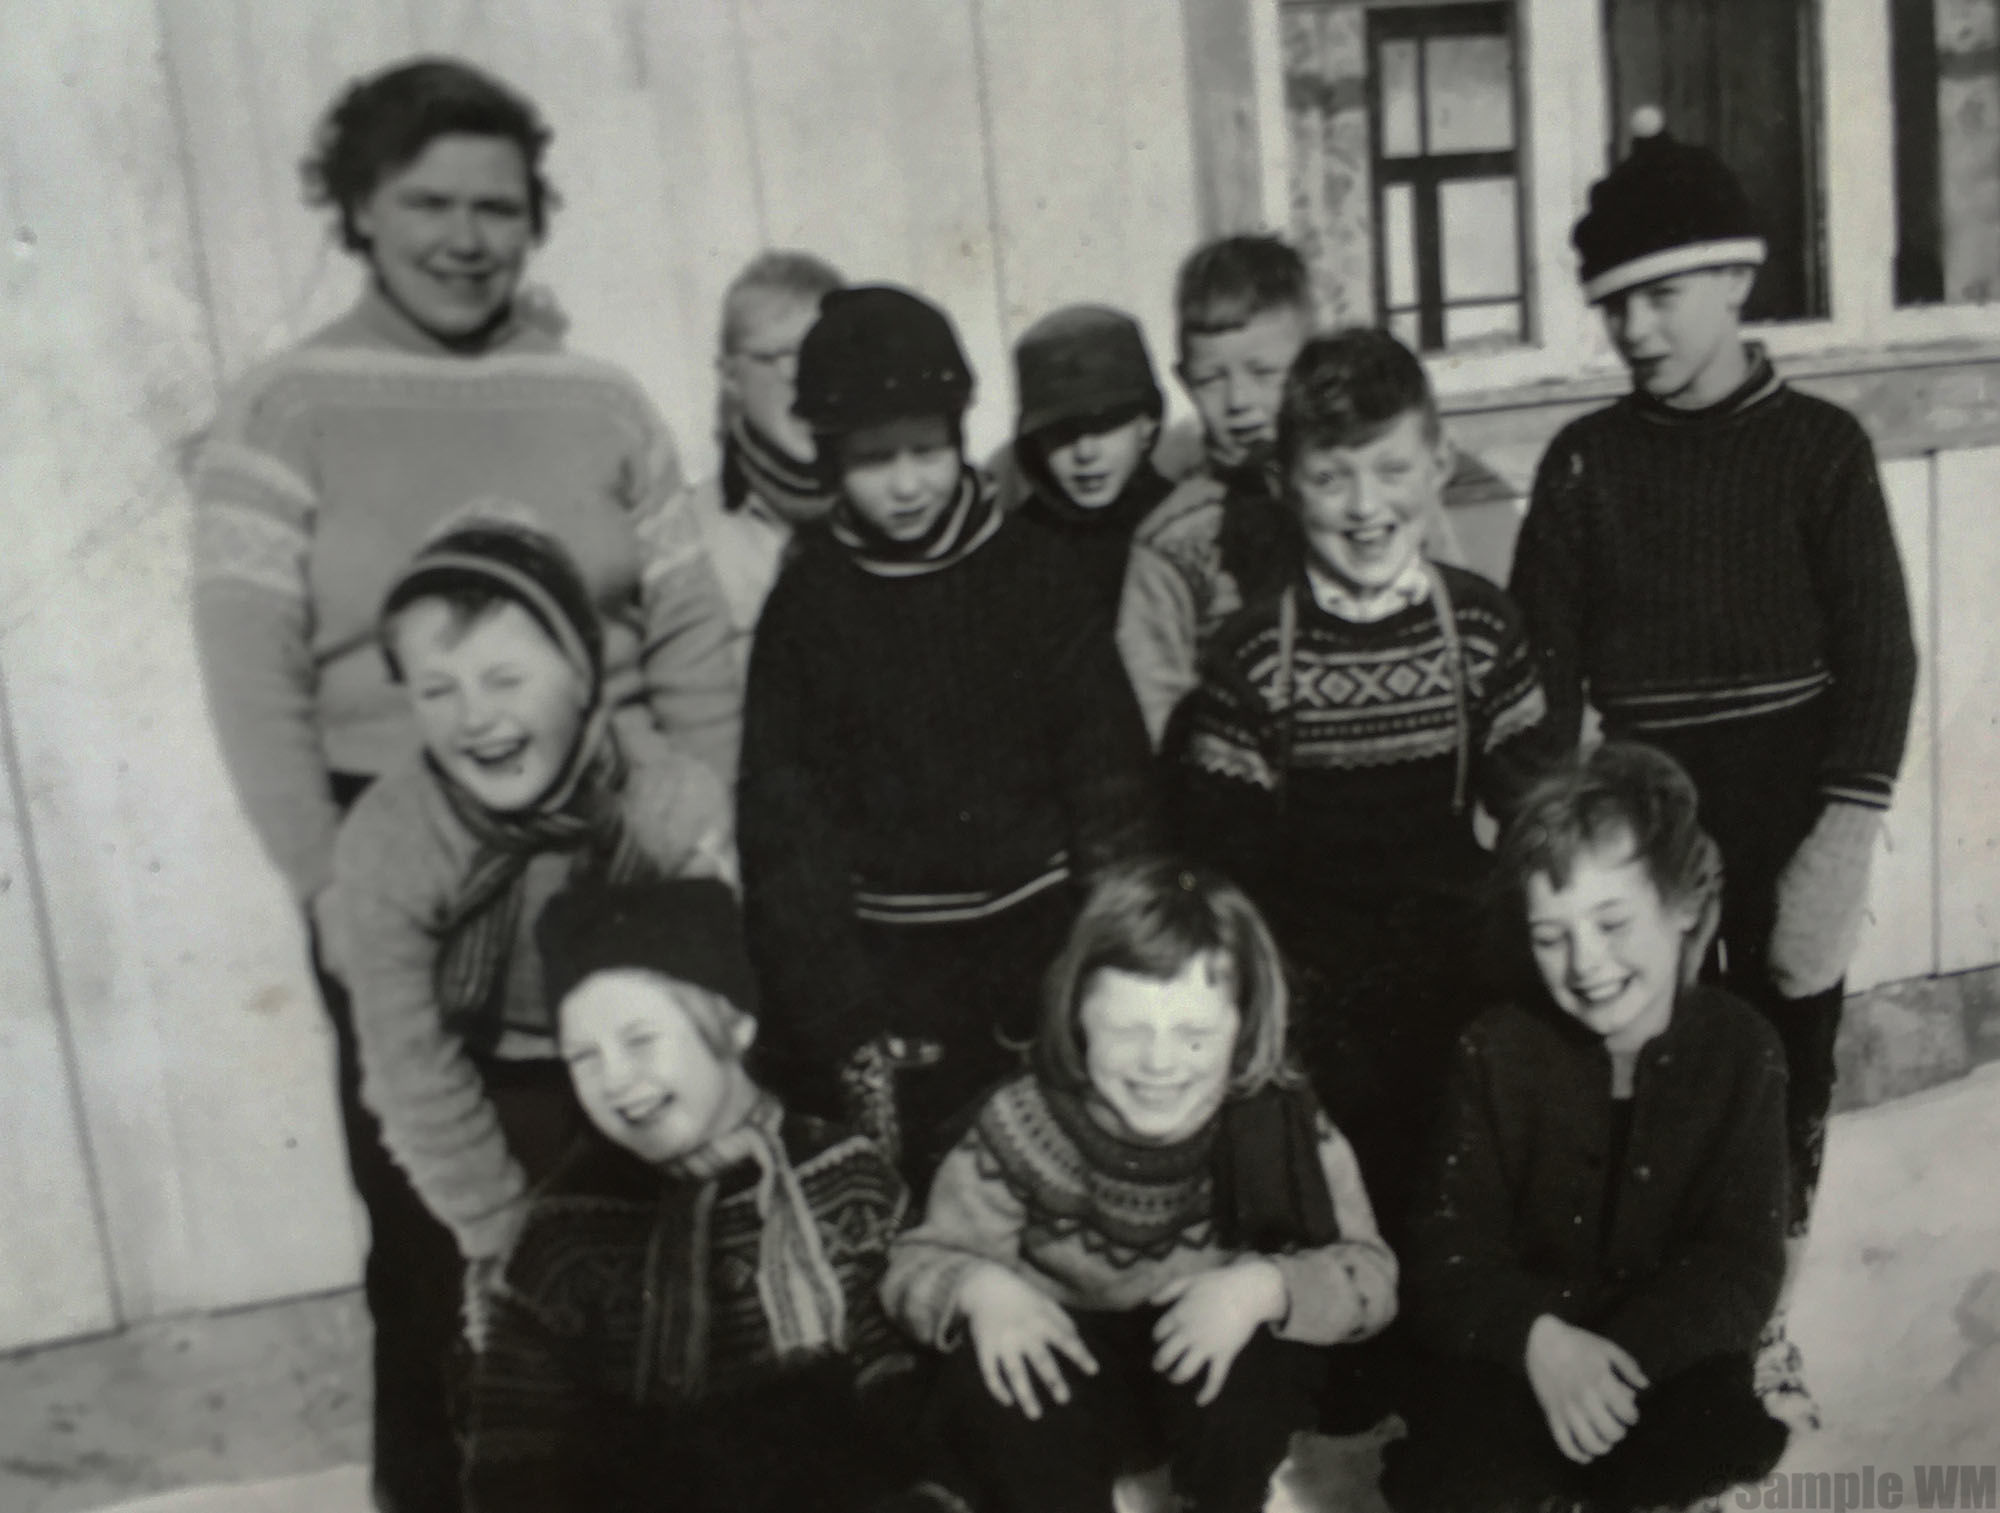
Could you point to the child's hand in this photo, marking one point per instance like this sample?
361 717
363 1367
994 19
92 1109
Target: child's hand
1017 1331
1210 1317
1588 1387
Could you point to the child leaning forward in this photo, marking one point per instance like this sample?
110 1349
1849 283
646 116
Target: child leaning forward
1137 1251
1603 1233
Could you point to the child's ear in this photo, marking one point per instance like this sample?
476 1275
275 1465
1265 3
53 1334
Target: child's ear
742 1032
1149 435
1737 291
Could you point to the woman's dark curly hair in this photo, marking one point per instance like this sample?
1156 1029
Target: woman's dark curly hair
383 122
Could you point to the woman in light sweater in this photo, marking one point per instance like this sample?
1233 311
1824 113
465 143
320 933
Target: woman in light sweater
331 463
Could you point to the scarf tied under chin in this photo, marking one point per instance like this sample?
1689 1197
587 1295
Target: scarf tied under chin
797 1288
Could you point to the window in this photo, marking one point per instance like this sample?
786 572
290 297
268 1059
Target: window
1945 67
1405 134
1741 77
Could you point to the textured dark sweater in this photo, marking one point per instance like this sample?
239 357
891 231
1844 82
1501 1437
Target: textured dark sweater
1099 540
922 748
1675 1252
1365 818
1683 568
572 1404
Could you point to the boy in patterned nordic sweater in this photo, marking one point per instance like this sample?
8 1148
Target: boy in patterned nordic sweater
1344 725
1709 562
1244 306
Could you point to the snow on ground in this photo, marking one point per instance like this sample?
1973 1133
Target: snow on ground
1898 1313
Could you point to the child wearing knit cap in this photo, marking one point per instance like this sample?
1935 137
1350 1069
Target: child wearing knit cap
522 784
1709 563
1345 725
940 745
769 484
691 1312
1141 1247
1244 308
1090 413
1601 1235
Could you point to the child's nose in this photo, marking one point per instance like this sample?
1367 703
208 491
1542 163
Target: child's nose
1087 447
905 479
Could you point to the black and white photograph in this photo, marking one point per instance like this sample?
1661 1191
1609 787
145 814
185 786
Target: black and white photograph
999 756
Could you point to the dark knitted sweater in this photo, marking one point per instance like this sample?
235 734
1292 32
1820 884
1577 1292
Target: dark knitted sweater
922 748
1679 1261
571 1400
1099 540
1682 568
1357 811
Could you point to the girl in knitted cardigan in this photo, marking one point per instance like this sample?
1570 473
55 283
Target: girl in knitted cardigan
1135 1252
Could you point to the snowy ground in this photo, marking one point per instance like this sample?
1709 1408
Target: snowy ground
1898 1314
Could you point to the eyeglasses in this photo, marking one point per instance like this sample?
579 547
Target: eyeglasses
781 360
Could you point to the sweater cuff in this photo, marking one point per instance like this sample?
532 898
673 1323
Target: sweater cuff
1871 790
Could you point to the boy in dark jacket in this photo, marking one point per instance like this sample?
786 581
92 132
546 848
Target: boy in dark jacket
1709 562
941 746
1603 1232
1090 413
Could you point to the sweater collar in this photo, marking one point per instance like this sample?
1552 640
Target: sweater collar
532 323
968 522
755 468
1142 491
1411 587
1759 385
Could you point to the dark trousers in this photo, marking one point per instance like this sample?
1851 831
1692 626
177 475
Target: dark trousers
1128 1418
1479 1443
1758 781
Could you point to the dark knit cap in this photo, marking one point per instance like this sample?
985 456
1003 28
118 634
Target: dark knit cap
689 929
516 561
1670 207
879 353
1081 361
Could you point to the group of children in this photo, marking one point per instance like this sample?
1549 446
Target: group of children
1110 1043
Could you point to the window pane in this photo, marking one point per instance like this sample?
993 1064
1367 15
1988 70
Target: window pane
1947 111
1482 244
1402 137
1492 324
1405 329
1469 94
1399 244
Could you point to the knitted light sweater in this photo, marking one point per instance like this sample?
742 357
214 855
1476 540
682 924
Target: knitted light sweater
1673 1249
1368 745
1215 544
1022 1191
925 748
1686 568
746 546
402 860
331 464
571 1396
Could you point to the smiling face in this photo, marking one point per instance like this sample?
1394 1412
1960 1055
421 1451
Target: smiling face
900 475
1365 508
448 233
1092 462
1681 336
1608 945
1159 1051
1236 378
498 705
760 373
645 1073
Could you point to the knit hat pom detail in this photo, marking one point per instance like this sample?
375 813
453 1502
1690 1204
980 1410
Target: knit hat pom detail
1670 207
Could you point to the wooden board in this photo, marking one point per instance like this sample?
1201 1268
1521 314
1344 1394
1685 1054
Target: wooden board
1968 710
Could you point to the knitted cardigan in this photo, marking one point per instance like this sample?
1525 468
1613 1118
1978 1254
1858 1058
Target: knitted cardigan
1683 568
921 747
1514 1222
400 864
569 1397
330 465
1215 544
1339 790
1020 1191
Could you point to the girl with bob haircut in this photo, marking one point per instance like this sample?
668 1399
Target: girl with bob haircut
1602 1234
1144 1239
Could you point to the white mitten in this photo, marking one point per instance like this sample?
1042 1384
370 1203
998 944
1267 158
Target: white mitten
1822 895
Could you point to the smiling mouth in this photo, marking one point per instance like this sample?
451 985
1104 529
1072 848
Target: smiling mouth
1603 995
503 758
646 1113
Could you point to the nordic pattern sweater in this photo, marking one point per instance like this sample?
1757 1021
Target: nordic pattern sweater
920 749
1365 819
571 1379
401 862
327 469
1684 1259
1020 1191
1687 568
